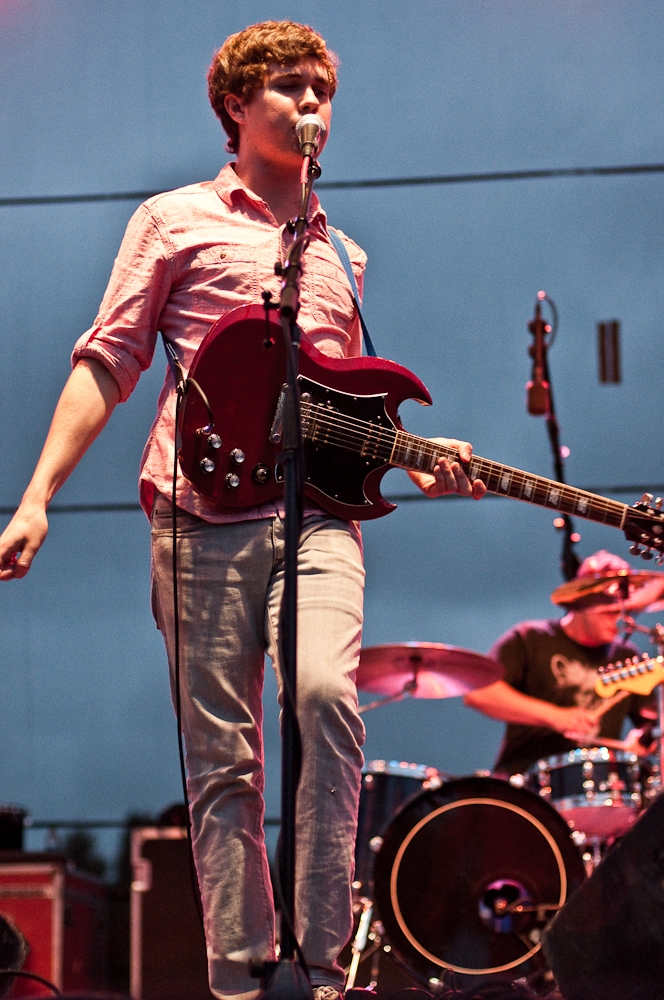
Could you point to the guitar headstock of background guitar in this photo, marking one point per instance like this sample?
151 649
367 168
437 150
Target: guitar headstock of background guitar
644 526
638 675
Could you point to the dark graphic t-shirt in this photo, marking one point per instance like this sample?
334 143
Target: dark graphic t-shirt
541 661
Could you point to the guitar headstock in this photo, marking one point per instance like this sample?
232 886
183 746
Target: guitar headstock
644 526
637 675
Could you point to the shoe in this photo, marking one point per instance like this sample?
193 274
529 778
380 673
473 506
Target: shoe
327 993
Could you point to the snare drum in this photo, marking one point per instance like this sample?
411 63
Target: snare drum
597 790
386 787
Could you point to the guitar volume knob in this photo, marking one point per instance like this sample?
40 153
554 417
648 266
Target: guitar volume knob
237 455
214 441
207 465
232 480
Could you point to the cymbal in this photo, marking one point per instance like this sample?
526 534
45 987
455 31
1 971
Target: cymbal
429 669
645 588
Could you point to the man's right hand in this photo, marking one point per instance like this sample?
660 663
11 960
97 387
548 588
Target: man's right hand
85 404
21 540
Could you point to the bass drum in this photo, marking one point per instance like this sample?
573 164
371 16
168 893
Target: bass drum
467 878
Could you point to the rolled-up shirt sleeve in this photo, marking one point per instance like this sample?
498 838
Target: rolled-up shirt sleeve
124 332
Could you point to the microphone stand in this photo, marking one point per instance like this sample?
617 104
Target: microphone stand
288 978
538 350
656 635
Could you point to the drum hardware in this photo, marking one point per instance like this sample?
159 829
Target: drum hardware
360 941
422 670
408 690
367 943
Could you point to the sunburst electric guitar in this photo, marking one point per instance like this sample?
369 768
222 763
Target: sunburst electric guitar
351 428
636 675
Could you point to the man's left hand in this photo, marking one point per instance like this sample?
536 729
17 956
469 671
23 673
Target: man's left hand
449 476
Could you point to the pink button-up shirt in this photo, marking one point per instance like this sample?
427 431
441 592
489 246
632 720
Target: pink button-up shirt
187 258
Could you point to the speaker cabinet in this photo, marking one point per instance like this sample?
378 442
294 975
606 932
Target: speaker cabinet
168 954
607 942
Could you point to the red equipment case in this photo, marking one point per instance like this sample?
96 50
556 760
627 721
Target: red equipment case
61 914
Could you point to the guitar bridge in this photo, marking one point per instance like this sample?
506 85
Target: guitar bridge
277 428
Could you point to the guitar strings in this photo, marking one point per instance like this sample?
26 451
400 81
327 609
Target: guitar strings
387 444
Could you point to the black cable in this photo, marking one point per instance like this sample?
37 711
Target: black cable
31 975
176 656
498 175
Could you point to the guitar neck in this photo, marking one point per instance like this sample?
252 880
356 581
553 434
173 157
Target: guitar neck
407 451
421 455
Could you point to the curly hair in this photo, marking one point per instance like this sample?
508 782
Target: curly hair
243 62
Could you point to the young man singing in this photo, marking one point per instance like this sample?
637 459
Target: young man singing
189 257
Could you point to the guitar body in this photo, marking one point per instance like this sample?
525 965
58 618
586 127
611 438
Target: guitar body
352 434
241 367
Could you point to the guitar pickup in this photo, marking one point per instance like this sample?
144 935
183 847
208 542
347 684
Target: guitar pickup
277 428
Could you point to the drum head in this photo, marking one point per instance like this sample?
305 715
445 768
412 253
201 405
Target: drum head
468 876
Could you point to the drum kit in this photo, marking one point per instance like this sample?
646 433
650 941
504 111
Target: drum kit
457 877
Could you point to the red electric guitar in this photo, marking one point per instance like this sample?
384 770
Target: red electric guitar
351 428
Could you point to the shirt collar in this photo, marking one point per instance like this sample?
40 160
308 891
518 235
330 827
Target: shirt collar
230 189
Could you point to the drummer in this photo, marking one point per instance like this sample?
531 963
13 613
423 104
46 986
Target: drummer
551 667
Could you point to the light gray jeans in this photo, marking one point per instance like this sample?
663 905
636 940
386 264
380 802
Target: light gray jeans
231 581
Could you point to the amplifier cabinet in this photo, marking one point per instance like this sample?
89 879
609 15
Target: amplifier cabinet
61 914
168 957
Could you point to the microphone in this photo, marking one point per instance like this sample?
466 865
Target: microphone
309 130
538 400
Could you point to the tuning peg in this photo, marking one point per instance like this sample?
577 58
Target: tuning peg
635 549
660 559
658 503
646 498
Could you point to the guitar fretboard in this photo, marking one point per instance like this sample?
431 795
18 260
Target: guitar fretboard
326 426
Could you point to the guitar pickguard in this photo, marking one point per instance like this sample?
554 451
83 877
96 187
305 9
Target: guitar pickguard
339 473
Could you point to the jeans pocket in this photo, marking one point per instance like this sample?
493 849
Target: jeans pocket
162 518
